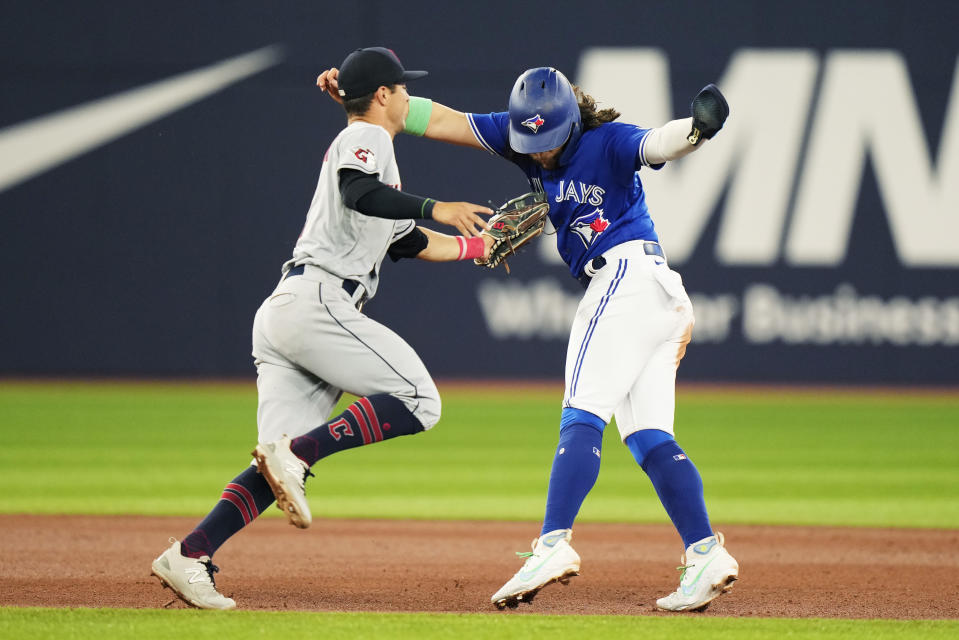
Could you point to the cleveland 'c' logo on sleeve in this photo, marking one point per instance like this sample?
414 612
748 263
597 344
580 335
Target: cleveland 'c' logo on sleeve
363 155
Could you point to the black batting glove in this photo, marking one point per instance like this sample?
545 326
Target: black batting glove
709 110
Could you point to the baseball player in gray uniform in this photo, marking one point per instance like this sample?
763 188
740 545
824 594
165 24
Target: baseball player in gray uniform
311 342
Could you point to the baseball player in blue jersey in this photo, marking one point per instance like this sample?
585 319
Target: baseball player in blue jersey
311 342
634 321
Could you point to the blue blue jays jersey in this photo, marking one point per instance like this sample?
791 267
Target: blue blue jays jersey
596 200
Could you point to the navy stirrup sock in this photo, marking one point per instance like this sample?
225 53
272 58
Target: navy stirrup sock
676 480
368 420
241 502
575 467
371 419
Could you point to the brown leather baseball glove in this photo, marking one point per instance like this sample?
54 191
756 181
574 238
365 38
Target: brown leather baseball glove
513 225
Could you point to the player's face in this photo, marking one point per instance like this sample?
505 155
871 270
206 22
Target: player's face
399 107
547 159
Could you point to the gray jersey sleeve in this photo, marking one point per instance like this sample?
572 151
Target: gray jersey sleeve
367 149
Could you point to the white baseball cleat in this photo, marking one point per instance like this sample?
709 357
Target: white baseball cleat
286 475
708 572
552 560
191 579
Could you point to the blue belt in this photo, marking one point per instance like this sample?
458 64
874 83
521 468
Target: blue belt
650 248
348 285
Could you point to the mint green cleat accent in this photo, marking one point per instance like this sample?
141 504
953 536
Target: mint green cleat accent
708 572
552 560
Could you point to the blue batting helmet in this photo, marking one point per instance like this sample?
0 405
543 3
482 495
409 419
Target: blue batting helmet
543 112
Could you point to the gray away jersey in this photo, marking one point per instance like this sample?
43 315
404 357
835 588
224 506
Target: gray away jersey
340 240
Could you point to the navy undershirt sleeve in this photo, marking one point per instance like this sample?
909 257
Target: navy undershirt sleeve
364 192
409 246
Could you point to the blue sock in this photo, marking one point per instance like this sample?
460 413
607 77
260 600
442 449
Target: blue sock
676 480
575 467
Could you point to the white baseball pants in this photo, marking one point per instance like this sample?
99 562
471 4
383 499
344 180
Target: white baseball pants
629 333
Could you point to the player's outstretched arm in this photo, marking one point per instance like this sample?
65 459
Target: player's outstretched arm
678 138
444 248
438 122
432 119
667 142
450 125
363 192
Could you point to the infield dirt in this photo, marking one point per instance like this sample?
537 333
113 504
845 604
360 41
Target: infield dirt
441 566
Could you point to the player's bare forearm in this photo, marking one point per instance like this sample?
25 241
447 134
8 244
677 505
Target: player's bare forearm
449 125
444 248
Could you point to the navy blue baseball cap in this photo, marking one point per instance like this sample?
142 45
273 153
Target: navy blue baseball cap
366 70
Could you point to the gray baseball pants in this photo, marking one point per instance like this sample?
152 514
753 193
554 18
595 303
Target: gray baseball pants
311 343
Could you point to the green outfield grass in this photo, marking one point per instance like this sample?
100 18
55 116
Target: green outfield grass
65 624
766 456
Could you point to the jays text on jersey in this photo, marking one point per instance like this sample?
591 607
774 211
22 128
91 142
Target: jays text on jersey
594 206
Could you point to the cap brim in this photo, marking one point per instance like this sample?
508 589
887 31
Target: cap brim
413 75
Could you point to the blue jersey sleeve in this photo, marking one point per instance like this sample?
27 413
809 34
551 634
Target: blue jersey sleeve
491 131
623 149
